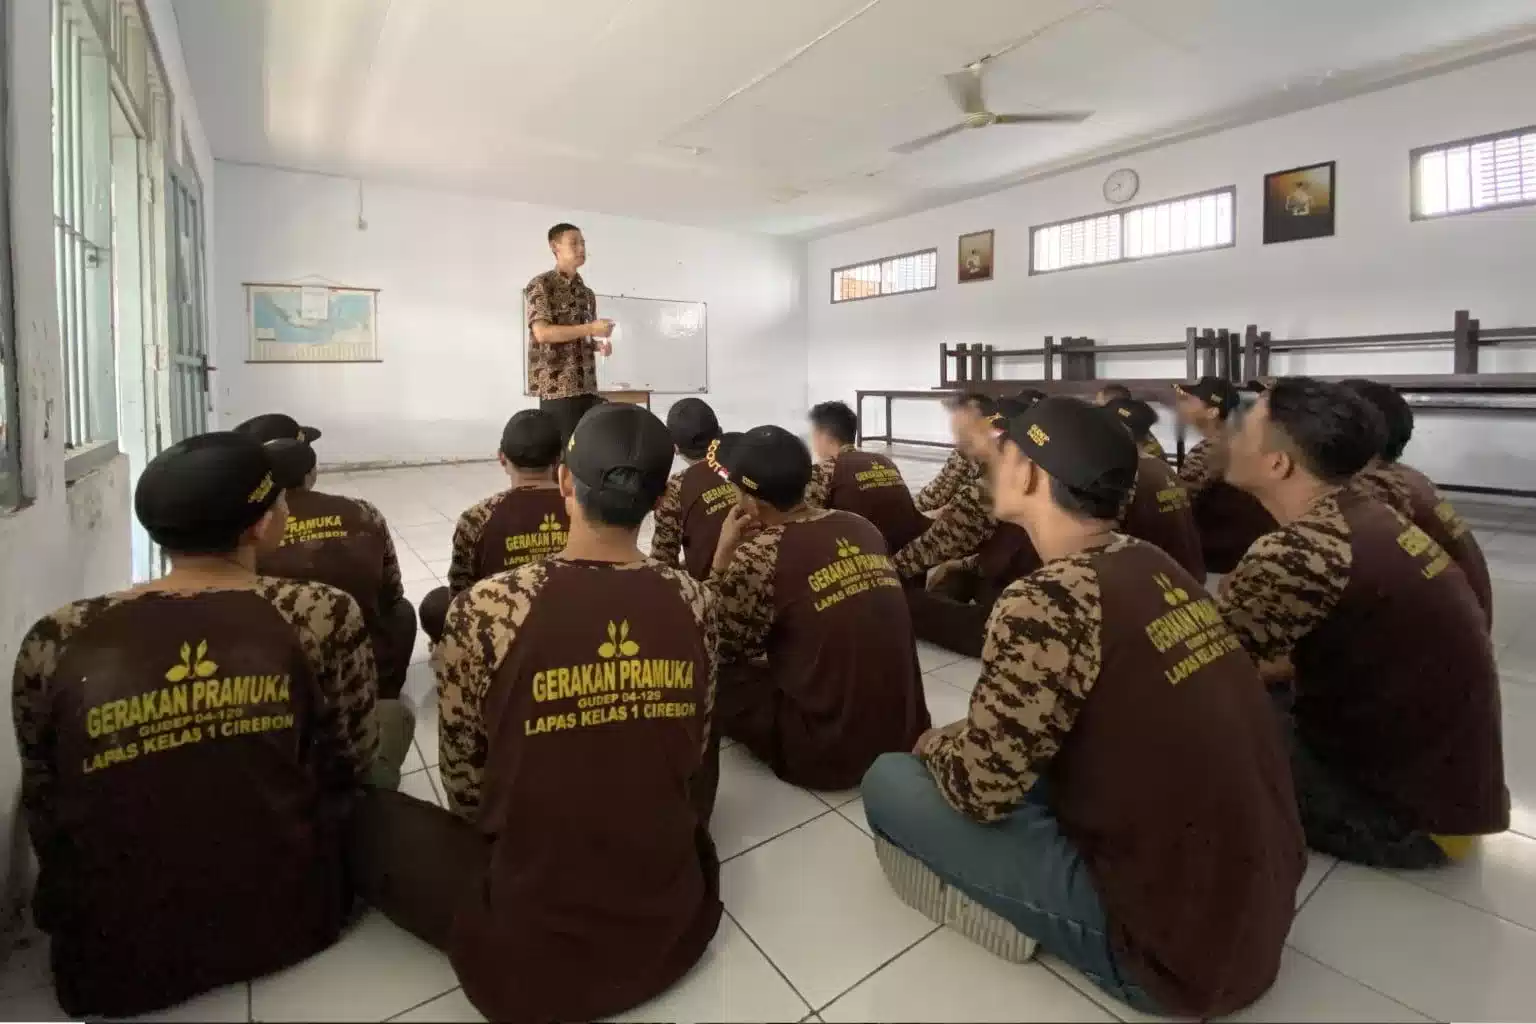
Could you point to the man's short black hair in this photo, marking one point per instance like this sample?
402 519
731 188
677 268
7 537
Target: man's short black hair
609 507
1332 430
1396 415
836 420
973 400
1086 504
1115 391
560 229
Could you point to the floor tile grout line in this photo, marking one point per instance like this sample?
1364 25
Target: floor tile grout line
1308 897
1406 877
1111 1005
726 911
780 835
424 1002
1363 984
930 933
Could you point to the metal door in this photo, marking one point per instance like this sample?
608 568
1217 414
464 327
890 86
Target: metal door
189 367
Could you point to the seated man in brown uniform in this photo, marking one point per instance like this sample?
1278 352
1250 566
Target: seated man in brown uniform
1120 395
818 671
192 747
693 508
346 543
1159 511
576 877
974 557
1118 792
1372 629
1229 520
863 483
959 469
1412 493
522 524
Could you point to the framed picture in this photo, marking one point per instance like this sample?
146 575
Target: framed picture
976 257
1299 203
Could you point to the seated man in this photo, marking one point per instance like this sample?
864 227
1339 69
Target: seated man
1414 496
1396 750
192 746
959 469
1110 394
863 483
522 524
697 499
346 543
973 556
1118 793
1229 520
576 877
1159 511
818 671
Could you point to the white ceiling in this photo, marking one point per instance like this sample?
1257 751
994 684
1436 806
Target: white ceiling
773 115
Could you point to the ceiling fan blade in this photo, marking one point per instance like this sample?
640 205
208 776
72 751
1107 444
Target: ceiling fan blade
965 87
928 140
1049 117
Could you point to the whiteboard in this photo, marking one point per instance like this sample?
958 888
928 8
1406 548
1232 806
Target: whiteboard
659 345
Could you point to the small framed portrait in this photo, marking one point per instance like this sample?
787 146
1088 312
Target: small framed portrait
1299 203
976 257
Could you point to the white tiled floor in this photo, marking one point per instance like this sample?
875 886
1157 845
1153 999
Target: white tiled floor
812 929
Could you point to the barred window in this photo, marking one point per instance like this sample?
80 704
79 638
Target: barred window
894 275
1188 224
1484 173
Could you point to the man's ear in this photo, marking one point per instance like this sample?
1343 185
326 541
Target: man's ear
566 481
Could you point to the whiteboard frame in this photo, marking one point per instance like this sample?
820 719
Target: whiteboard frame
528 388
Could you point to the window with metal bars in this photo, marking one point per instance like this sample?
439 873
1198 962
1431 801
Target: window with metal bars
893 275
1484 173
1186 224
82 213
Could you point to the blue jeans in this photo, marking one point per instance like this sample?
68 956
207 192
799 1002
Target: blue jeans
1021 868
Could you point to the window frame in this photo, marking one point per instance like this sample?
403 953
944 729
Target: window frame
1471 140
11 491
832 276
1120 212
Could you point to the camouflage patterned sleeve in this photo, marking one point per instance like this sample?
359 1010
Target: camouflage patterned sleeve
1379 482
941 490
957 532
820 487
1196 470
391 590
702 601
1042 656
667 541
464 566
31 697
1289 581
482 625
743 595
330 629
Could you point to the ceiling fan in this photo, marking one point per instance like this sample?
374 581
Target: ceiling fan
965 87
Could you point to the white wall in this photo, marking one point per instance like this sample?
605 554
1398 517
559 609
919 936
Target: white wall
450 269
69 541
1380 272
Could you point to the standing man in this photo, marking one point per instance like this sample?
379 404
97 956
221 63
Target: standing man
564 334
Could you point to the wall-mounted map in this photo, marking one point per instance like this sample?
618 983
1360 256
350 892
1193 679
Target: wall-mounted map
292 323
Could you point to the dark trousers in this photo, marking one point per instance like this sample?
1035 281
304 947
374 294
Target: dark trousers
1341 820
568 412
434 612
954 615
747 710
393 646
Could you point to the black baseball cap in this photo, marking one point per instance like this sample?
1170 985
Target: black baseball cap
622 451
274 425
1077 444
1029 396
1216 392
767 462
693 425
200 494
1137 415
531 440
723 443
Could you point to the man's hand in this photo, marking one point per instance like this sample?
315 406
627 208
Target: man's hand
738 526
600 328
602 346
940 573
